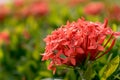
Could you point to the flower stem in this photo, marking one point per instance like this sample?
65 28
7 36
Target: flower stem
81 74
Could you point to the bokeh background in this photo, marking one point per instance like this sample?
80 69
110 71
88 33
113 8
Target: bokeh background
25 23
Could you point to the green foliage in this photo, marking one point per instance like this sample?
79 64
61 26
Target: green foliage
109 68
89 73
1 54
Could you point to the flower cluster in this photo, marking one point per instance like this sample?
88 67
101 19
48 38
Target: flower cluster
18 3
4 37
94 8
115 13
4 11
37 8
72 43
76 2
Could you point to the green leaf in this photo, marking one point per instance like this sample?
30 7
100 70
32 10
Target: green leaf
114 27
45 74
89 73
62 56
1 54
36 55
70 75
109 68
20 69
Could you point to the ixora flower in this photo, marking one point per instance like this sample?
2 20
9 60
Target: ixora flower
72 43
94 8
18 3
39 8
24 12
114 13
4 11
4 37
76 2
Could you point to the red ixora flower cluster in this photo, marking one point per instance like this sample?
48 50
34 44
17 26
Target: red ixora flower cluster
4 37
70 44
94 8
37 8
115 13
4 11
18 3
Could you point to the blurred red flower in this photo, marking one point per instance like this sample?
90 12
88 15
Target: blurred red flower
4 11
94 8
115 13
24 12
76 2
71 43
39 8
18 3
4 37
26 34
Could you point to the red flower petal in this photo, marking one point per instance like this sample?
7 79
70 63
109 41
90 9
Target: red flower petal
100 48
73 61
79 50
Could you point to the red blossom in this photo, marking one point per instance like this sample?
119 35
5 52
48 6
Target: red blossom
24 12
4 11
115 13
76 2
18 3
72 43
39 8
94 8
4 36
26 34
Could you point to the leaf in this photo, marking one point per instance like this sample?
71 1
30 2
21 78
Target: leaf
62 56
35 55
45 73
89 73
1 54
20 69
114 27
70 75
108 69
101 72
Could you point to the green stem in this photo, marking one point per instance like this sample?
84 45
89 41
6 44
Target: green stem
81 73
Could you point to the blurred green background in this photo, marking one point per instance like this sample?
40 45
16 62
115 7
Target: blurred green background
25 23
